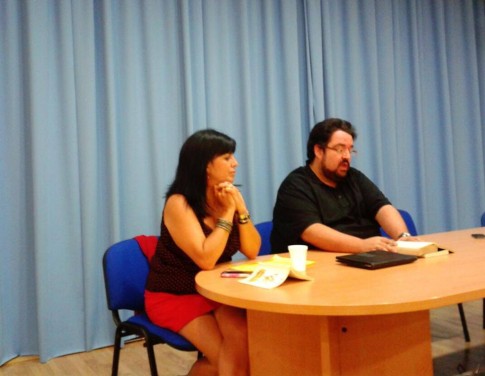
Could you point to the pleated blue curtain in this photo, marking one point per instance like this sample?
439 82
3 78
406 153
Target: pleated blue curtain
96 98
410 76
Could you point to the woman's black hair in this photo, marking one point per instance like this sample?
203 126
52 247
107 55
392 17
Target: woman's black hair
321 133
191 174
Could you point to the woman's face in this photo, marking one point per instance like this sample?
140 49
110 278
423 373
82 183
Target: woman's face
222 169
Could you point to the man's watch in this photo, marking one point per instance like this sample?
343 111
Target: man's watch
404 235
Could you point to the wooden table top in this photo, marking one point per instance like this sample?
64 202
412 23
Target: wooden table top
339 290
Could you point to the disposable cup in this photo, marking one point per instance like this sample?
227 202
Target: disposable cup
298 254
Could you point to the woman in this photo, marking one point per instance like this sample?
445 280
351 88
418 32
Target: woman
204 222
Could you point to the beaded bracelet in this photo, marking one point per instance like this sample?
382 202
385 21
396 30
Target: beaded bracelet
224 224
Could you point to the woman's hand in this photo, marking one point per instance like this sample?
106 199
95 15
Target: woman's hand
224 196
230 197
227 193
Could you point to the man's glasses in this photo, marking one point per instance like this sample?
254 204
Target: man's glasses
341 150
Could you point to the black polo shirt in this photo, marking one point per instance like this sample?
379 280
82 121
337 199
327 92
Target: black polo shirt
303 200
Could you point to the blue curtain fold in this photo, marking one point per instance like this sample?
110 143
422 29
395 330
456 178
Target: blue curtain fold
97 96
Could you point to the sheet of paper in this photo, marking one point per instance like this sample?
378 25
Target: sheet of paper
267 277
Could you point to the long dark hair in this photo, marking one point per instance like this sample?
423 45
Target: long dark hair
191 175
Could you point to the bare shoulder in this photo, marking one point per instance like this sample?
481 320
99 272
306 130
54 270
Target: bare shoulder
177 207
181 221
176 202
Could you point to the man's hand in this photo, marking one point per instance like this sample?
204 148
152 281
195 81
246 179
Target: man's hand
379 243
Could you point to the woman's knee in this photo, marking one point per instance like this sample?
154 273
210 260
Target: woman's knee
232 323
204 333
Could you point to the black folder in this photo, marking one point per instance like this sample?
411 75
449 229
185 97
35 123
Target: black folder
375 259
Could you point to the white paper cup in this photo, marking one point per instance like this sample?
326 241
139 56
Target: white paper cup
298 256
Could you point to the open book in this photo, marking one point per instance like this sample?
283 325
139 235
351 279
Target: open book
270 273
421 249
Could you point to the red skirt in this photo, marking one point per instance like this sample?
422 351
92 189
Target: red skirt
175 311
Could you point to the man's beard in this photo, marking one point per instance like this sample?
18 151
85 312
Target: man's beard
333 175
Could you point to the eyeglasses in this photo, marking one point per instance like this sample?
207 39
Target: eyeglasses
341 150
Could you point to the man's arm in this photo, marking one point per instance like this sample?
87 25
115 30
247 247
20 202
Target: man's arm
328 239
391 221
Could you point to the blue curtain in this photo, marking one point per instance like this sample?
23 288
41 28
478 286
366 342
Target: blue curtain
411 76
96 98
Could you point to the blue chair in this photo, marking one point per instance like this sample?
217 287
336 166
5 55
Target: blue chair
264 229
409 223
408 219
125 270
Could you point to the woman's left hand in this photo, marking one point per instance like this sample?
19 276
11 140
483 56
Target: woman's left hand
227 191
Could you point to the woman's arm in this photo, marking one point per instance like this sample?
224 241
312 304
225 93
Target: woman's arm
187 233
250 239
249 235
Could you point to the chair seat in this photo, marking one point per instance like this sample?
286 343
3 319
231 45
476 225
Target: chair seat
125 269
165 335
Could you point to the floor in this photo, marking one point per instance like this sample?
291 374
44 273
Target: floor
451 354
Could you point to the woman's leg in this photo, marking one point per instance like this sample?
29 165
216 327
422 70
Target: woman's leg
222 338
203 332
233 356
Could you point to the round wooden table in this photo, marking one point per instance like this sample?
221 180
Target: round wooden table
351 321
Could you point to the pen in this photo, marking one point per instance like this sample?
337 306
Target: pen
234 274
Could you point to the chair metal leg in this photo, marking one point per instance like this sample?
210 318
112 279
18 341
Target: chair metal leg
483 314
116 352
151 357
463 322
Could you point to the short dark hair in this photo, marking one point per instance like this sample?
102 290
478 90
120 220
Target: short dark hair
191 175
321 133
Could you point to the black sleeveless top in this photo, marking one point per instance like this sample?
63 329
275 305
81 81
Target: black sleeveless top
172 271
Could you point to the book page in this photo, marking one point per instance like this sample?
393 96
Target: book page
271 273
299 275
416 248
415 244
421 249
267 277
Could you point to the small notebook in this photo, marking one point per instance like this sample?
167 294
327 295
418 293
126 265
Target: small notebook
375 259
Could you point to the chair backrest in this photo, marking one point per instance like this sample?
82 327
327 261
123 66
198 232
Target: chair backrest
483 219
409 223
264 229
125 272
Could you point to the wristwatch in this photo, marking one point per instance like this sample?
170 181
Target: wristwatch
244 218
404 235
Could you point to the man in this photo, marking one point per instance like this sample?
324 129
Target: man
331 206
